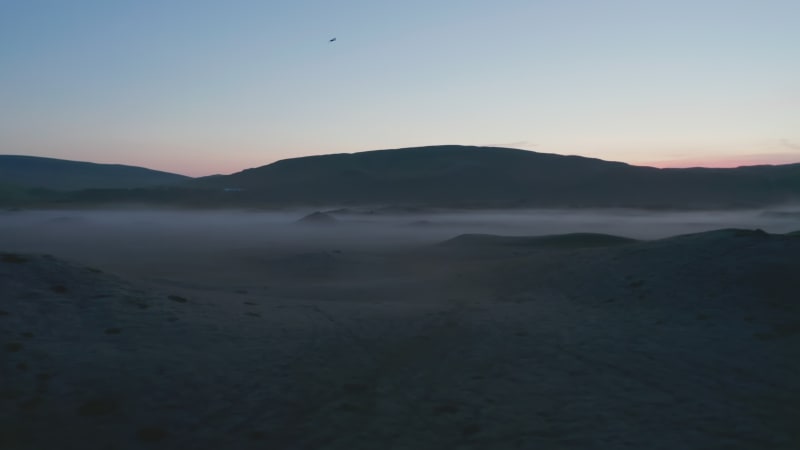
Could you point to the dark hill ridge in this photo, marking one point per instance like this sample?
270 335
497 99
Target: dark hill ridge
59 174
502 177
440 175
560 241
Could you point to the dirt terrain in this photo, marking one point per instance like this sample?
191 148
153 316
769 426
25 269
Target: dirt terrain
474 341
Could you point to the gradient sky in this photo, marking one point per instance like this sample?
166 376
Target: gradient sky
200 87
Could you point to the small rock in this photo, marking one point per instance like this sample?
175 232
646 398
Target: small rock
59 289
98 407
177 298
13 258
257 435
471 429
44 377
151 434
354 388
445 409
13 347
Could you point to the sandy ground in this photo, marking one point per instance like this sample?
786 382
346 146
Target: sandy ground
476 342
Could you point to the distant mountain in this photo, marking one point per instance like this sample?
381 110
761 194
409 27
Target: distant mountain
58 174
459 176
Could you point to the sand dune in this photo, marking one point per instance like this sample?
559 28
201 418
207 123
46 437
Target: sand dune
571 240
549 342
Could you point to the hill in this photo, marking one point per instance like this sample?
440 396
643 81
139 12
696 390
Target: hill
448 176
459 176
58 174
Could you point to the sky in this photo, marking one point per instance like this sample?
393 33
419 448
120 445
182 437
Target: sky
201 87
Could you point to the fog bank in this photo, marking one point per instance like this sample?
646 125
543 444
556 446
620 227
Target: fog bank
152 238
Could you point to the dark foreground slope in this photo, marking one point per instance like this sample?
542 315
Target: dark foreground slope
687 342
500 177
58 174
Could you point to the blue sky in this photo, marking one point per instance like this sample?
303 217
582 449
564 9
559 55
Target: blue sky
201 87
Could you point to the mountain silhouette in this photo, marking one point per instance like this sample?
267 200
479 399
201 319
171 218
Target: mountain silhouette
462 176
59 174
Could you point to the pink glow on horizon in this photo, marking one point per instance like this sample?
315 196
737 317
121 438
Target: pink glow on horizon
725 161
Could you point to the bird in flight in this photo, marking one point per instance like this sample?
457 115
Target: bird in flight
332 40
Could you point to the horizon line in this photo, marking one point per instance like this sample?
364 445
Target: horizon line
722 162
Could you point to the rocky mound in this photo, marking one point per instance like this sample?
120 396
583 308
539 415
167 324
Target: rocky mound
716 269
318 218
571 240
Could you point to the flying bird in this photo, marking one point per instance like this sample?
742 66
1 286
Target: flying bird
332 40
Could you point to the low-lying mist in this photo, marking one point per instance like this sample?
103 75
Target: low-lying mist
147 239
